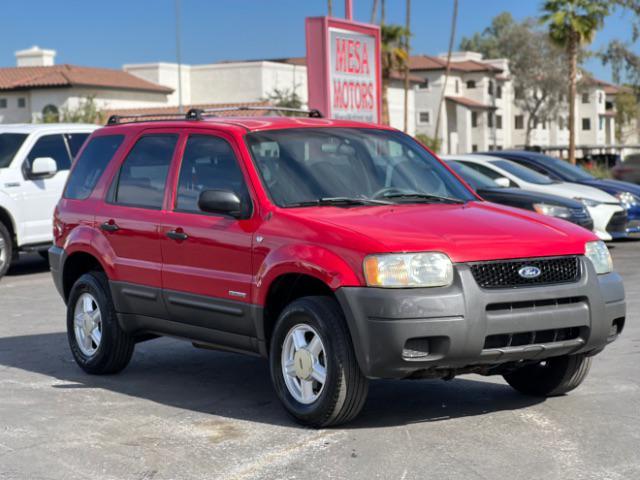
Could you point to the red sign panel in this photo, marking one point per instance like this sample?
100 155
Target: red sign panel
343 69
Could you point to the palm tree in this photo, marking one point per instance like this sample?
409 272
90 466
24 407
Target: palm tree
394 58
572 24
407 48
452 36
374 11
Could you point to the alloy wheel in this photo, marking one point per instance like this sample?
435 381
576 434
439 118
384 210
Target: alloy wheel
304 364
87 324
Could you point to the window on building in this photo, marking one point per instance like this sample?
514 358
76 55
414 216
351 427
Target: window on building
50 114
471 84
457 86
586 124
519 122
560 123
535 123
22 102
52 146
499 147
490 119
601 123
143 175
490 88
424 117
474 119
474 147
424 84
91 165
544 125
499 122
518 93
585 97
3 103
499 91
208 164
600 97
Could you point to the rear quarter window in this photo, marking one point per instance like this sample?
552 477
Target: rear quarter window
91 165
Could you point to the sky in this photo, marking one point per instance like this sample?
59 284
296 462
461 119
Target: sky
116 32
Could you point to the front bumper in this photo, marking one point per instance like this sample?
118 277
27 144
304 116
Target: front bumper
398 332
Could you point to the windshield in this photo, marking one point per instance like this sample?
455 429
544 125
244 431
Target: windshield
572 173
523 173
9 145
300 167
477 180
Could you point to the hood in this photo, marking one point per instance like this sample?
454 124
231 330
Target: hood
615 186
529 196
471 232
585 191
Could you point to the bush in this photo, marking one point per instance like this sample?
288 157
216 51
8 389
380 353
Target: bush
432 143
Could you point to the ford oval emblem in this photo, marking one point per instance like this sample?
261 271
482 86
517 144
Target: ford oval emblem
529 272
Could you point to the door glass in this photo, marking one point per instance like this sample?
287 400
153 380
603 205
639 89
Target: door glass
208 164
75 142
143 175
52 146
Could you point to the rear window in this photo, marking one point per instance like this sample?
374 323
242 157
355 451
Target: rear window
91 165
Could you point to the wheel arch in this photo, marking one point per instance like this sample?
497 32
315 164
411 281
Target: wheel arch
76 264
9 222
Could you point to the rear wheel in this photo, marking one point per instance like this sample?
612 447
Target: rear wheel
97 342
6 250
313 365
551 377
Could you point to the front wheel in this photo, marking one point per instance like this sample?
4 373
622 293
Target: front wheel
551 377
313 365
6 250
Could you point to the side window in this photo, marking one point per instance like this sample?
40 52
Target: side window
143 175
52 146
483 170
208 164
91 165
75 142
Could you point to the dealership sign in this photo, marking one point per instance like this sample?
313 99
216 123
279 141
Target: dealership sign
343 69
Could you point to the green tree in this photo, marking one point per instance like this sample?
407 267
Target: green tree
627 111
537 66
285 97
86 111
394 59
573 24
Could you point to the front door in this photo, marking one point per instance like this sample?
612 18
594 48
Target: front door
206 273
129 222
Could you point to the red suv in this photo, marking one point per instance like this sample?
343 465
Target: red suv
339 250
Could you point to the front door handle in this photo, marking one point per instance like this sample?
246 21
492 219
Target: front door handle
109 226
177 235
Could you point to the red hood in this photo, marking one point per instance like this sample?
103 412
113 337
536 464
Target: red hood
471 232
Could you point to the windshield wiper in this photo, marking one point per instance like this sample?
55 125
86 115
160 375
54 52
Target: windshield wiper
339 201
427 197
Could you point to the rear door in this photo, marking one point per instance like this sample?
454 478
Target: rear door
129 221
206 257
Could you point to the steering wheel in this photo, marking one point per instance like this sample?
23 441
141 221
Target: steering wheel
384 191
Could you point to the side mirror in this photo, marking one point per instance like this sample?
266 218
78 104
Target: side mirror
43 167
224 202
504 182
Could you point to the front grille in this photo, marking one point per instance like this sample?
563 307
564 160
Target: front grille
618 222
504 274
506 340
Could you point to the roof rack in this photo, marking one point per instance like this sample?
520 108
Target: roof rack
200 113
139 117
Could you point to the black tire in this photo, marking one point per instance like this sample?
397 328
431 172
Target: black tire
116 347
345 389
6 243
555 376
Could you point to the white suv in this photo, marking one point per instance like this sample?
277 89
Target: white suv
34 164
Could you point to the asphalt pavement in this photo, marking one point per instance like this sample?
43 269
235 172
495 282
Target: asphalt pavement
181 413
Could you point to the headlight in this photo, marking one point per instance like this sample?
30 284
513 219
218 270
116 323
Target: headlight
401 270
628 199
587 202
552 210
599 255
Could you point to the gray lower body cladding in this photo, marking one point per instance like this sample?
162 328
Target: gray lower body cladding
398 332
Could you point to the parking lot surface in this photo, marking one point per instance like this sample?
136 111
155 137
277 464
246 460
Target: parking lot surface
181 413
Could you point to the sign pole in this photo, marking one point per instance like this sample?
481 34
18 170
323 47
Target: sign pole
348 9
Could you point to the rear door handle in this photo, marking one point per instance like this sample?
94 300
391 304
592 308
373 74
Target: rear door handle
109 226
177 235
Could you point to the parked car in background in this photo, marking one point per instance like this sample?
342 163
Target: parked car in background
627 193
629 170
339 250
543 203
34 165
609 218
